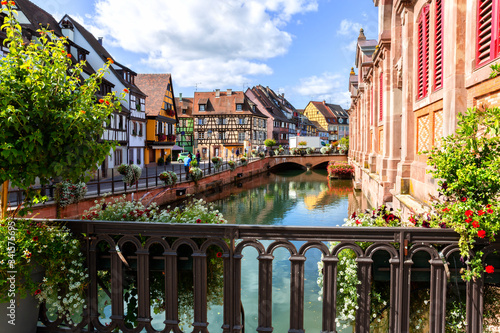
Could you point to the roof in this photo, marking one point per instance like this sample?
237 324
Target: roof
154 85
318 126
104 54
337 111
262 95
37 16
224 104
325 110
186 104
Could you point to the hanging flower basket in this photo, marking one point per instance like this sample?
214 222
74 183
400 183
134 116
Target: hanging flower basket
131 173
168 177
196 174
232 165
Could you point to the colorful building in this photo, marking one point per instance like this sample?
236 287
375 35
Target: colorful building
160 114
185 126
332 118
411 84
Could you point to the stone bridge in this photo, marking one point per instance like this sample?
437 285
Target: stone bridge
307 161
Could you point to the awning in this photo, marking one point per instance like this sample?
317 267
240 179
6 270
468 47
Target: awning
162 147
176 147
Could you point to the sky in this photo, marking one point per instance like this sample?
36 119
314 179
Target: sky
302 48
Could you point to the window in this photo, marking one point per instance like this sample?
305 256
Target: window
241 136
133 105
81 55
239 107
242 121
200 121
142 106
438 46
487 45
381 96
222 135
201 135
423 53
202 107
118 157
183 111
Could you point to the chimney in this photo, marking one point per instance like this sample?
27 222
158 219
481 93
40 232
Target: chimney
217 93
180 97
229 92
99 39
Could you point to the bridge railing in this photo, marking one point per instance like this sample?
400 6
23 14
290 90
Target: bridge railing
134 246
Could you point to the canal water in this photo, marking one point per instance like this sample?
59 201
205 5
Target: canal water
290 198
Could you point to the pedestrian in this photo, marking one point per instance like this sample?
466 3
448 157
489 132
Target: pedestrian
187 162
237 153
198 157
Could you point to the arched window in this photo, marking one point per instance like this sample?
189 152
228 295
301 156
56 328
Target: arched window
423 53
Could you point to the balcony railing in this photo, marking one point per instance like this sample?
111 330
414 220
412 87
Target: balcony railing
400 246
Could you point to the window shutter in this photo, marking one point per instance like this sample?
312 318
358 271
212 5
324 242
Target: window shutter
423 53
381 96
438 51
484 31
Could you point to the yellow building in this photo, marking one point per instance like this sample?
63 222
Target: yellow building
161 116
330 117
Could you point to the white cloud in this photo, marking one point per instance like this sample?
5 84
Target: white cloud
216 43
348 28
329 87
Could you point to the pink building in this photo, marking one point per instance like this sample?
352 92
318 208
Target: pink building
411 84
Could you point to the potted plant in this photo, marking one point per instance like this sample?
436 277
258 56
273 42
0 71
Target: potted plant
131 173
162 137
309 150
67 193
340 170
232 165
262 155
217 161
243 160
168 177
39 261
160 161
254 153
196 173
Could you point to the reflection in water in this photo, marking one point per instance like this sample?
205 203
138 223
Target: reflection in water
294 197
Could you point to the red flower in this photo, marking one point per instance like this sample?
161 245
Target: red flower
107 102
446 209
464 199
124 215
111 61
68 55
475 224
481 233
219 254
468 220
488 206
358 222
198 221
83 112
125 91
481 212
3 2
38 291
12 3
28 232
35 238
489 269
490 211
101 101
469 213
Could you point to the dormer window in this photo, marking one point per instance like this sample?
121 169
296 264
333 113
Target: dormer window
81 55
203 107
183 111
239 107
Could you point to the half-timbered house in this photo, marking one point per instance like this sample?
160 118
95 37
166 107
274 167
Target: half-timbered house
226 122
330 117
160 114
185 126
127 126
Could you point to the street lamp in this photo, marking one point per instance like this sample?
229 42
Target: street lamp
209 157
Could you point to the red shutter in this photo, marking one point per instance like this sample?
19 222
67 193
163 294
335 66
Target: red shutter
438 51
381 95
423 53
485 18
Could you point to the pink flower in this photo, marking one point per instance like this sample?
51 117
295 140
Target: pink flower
481 233
489 269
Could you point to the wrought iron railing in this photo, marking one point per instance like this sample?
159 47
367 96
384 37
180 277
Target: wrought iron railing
400 245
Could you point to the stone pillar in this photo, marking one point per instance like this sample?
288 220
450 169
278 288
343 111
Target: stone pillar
407 133
454 92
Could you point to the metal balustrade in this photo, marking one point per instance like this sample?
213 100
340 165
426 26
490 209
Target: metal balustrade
402 245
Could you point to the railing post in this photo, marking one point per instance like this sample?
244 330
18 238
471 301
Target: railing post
475 305
438 296
112 181
171 297
98 183
297 294
395 298
235 304
265 292
200 323
92 291
143 312
329 294
363 312
156 176
116 288
147 178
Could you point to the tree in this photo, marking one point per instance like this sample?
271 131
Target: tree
50 118
270 143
